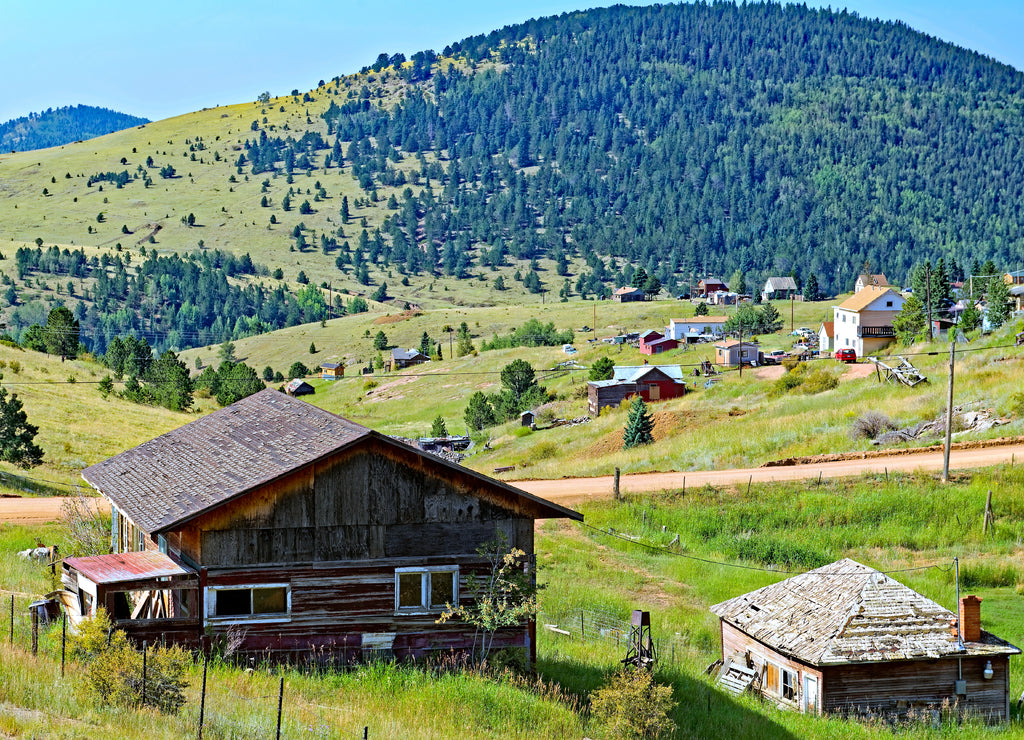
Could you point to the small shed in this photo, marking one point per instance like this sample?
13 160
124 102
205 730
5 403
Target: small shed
847 639
299 387
332 371
528 419
827 337
730 352
628 295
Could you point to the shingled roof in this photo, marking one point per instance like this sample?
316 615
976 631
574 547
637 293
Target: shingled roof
846 612
195 468
213 459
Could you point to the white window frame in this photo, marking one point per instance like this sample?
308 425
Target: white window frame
210 602
424 607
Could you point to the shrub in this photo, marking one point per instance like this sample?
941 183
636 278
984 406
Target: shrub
113 669
545 450
819 381
633 705
521 431
870 424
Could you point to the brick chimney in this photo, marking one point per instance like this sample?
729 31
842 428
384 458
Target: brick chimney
970 618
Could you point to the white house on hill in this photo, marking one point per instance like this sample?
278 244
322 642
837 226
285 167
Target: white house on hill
863 322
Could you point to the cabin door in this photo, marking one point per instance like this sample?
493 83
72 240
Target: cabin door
810 694
654 392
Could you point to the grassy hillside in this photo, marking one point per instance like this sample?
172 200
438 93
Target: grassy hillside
77 427
203 148
895 525
737 422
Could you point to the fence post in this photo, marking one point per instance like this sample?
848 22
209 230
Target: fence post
144 673
35 632
63 639
12 620
202 698
583 633
280 703
615 491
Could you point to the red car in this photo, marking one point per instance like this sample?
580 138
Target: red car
846 355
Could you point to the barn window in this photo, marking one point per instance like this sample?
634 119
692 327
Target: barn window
426 589
265 600
789 684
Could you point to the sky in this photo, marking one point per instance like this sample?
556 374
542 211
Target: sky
158 58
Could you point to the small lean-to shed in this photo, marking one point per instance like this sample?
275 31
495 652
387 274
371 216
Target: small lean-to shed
298 387
309 535
847 639
332 371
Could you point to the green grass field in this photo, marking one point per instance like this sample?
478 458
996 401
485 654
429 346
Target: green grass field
902 523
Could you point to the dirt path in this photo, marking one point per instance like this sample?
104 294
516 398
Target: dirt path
570 490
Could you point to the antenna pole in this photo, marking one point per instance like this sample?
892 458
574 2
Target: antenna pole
959 636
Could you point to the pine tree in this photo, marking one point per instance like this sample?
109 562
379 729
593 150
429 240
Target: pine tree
909 323
639 427
811 290
438 428
16 434
997 298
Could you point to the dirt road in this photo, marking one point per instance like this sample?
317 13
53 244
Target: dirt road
573 490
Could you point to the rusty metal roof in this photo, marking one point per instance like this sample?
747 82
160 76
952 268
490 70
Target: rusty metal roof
846 612
205 463
126 566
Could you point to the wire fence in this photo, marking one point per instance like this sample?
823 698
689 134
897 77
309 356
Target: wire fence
589 625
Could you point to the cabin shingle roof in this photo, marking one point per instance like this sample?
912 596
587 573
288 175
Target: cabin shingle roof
213 459
193 469
846 612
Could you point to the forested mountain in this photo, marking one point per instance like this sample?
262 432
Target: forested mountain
714 137
558 156
62 126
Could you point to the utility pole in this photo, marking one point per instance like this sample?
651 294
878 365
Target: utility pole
791 299
928 296
740 319
949 413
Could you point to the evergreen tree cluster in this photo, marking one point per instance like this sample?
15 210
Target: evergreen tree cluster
699 138
62 126
177 302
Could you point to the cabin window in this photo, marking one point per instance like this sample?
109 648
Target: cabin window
426 589
789 684
771 678
253 601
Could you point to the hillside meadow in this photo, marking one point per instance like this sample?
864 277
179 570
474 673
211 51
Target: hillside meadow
899 524
737 422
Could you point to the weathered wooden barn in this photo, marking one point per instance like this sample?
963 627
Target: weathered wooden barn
302 532
651 382
848 639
